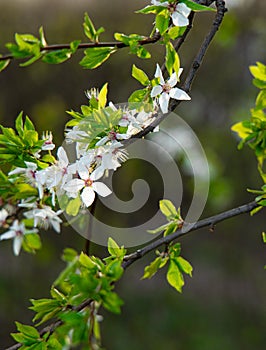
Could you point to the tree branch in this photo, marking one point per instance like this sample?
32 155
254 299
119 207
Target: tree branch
208 222
140 253
116 44
220 5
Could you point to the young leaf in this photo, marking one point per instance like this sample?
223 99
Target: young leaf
197 7
154 266
102 96
4 64
162 21
89 28
139 75
174 276
95 56
168 209
57 57
172 61
184 265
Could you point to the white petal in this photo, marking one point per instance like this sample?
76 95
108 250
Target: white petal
183 9
179 20
102 141
8 235
88 196
101 189
17 243
179 94
156 90
74 185
122 136
172 80
180 72
164 102
62 157
97 173
159 74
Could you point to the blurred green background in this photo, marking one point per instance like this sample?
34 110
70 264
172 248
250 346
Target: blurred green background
223 305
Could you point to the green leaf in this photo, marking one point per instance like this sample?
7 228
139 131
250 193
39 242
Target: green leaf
74 45
159 229
102 96
73 206
95 56
113 247
140 75
197 7
264 237
162 21
90 30
42 37
138 95
176 32
171 228
172 61
261 100
112 302
69 255
19 124
27 331
151 9
57 56
33 241
154 266
174 276
168 209
184 265
4 64
258 71
86 261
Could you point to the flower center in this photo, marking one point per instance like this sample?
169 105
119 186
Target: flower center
166 87
171 7
112 135
88 182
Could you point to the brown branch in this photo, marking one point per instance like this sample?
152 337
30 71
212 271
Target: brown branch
116 44
208 222
131 258
220 5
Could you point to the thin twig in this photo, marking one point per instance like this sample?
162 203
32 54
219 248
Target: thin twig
208 222
115 44
192 72
131 258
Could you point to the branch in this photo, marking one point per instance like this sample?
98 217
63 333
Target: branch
117 44
220 5
208 222
131 258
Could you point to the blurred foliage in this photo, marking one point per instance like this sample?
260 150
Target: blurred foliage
222 305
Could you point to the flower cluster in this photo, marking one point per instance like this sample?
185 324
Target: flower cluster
97 134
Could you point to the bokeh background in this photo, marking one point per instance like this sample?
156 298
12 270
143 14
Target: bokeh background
223 305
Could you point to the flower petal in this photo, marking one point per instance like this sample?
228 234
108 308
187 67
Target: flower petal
88 196
183 9
156 90
159 74
7 235
172 80
101 189
179 20
62 157
179 94
17 243
97 173
74 185
164 102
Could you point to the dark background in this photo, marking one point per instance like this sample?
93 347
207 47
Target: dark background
223 305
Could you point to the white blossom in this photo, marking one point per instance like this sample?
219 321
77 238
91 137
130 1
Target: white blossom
179 12
166 90
3 215
17 231
45 217
87 185
48 141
